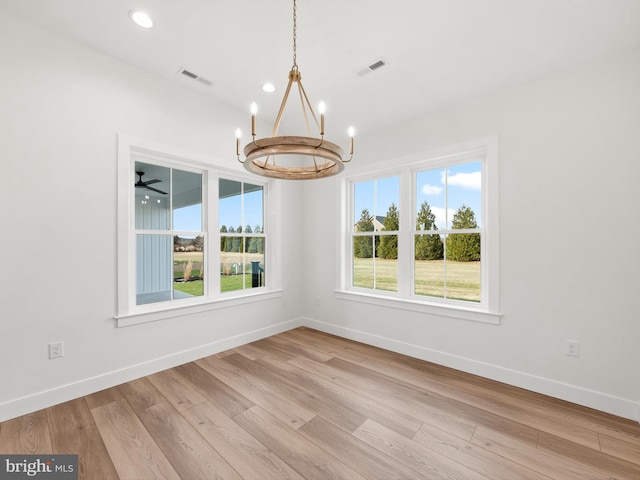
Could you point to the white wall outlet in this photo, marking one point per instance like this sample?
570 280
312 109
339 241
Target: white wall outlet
56 350
572 348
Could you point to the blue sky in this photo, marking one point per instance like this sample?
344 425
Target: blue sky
460 183
376 196
445 189
230 210
188 218
230 213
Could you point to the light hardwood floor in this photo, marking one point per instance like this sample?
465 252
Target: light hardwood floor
307 405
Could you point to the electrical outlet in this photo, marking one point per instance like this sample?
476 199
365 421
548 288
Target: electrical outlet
572 348
56 350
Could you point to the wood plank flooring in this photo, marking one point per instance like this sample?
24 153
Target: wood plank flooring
308 405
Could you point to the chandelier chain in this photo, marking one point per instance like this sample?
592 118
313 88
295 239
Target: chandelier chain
294 33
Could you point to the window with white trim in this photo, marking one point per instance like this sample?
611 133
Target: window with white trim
190 235
425 234
375 233
170 238
447 232
241 247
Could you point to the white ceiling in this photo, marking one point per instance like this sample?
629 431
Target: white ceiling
439 52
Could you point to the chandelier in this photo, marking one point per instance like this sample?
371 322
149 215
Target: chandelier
293 157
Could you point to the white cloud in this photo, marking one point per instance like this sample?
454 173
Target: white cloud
472 181
431 189
440 213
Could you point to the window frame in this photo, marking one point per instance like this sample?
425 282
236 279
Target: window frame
252 180
172 231
128 313
487 310
374 233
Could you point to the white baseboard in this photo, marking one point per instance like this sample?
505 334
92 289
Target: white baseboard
47 398
589 398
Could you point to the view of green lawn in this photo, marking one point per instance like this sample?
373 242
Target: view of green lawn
462 278
231 269
182 261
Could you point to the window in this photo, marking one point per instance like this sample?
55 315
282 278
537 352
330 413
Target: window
190 236
241 248
375 234
425 234
170 240
447 234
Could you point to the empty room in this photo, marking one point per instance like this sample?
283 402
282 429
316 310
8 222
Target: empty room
302 239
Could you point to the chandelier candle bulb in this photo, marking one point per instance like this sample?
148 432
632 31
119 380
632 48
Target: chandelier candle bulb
322 108
238 137
254 110
352 132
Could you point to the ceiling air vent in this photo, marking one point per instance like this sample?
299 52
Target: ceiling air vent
375 65
192 75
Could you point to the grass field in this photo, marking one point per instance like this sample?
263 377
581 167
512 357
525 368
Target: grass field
182 262
462 278
230 280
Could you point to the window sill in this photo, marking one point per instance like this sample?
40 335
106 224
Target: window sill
165 312
454 311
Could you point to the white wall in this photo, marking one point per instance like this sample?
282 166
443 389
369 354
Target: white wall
61 108
569 233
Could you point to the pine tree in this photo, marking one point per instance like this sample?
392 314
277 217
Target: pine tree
388 247
463 247
427 247
362 247
228 246
258 242
223 240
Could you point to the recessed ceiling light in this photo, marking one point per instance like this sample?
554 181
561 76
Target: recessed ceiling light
140 18
268 87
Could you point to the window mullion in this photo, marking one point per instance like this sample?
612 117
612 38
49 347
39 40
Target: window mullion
373 238
171 235
405 250
212 252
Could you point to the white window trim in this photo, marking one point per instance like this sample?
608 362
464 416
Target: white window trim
128 313
489 310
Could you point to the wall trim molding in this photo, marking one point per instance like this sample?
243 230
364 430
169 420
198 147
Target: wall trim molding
621 407
47 398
